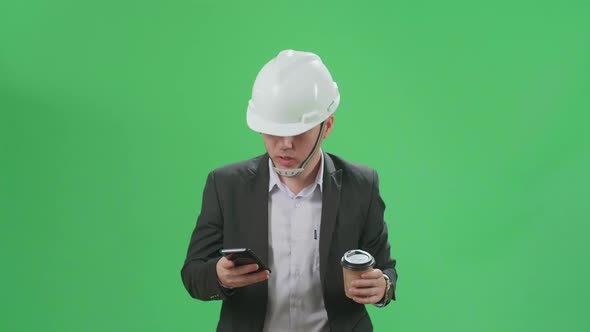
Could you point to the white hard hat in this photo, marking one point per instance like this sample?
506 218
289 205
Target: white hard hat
293 93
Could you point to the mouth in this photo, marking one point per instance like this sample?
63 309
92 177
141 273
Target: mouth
285 161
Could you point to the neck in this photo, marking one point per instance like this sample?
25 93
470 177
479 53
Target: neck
307 177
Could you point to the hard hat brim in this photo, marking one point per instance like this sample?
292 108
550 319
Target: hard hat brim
258 124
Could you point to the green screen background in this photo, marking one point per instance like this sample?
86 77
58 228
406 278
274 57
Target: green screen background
474 114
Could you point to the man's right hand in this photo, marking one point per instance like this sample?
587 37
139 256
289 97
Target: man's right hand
232 276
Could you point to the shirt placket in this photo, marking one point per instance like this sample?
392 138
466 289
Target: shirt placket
294 267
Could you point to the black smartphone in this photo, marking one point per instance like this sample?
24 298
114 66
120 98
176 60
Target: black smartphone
244 256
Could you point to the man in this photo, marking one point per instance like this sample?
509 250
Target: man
299 209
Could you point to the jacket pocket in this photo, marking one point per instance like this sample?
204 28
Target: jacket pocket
363 324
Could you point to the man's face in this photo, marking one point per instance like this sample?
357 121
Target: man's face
289 152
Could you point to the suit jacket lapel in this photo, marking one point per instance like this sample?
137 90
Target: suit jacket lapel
330 200
256 233
257 203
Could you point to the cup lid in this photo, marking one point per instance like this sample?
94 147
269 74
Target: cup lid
357 260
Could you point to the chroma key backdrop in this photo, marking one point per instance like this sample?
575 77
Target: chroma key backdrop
474 113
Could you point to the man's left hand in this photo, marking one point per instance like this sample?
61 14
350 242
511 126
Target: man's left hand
370 288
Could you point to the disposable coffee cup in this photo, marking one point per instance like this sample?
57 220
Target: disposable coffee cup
354 263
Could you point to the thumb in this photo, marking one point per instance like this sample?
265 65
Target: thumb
226 263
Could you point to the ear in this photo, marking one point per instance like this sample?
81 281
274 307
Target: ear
329 126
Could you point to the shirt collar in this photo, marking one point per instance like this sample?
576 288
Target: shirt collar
274 179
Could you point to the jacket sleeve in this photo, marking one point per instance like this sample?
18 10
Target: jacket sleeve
199 273
375 239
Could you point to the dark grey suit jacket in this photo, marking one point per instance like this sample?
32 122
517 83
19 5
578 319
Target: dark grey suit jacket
234 214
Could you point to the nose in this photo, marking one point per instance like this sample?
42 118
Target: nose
286 142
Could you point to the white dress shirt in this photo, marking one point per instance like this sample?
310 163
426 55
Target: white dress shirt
295 299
